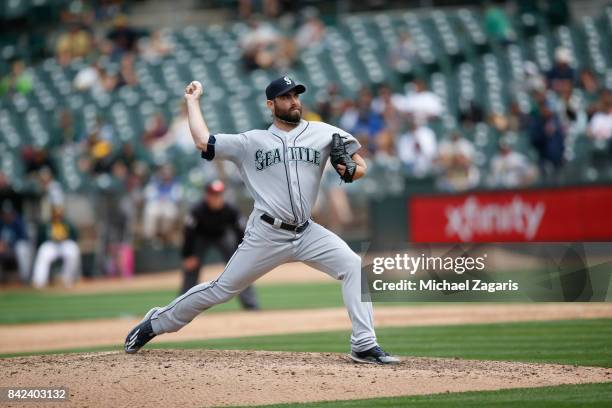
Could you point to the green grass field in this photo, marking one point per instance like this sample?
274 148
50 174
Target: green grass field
582 342
564 396
33 307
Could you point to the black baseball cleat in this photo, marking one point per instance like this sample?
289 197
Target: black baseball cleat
141 334
375 355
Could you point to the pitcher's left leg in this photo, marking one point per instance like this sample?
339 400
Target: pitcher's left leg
327 252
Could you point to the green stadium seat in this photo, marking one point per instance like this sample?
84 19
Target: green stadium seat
471 26
453 55
594 45
10 133
14 9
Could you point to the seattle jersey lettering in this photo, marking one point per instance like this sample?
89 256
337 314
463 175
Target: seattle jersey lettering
264 160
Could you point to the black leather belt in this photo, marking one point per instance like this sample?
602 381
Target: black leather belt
283 225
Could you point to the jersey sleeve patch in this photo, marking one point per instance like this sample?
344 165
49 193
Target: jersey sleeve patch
209 154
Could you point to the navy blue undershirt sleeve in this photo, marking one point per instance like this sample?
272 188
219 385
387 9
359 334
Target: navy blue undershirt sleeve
209 154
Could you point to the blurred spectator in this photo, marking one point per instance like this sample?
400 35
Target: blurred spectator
161 210
78 12
263 46
421 103
118 222
130 157
330 104
66 128
75 43
499 121
270 8
310 115
127 74
384 105
312 31
18 80
136 182
35 158
8 193
385 146
591 91
123 38
600 126
572 111
456 164
382 100
108 9
99 147
404 54
533 80
87 78
386 175
155 129
417 149
155 46
256 45
99 154
14 244
510 169
561 76
52 194
470 114
496 24
93 77
547 135
178 134
517 120
361 120
57 240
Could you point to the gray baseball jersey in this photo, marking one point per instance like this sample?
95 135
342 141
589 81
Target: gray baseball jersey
282 171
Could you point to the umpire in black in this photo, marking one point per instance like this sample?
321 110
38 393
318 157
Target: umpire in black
212 223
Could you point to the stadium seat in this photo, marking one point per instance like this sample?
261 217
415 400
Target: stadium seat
453 54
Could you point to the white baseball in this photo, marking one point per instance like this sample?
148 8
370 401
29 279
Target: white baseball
193 90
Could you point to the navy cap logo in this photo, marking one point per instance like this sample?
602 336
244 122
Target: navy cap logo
281 86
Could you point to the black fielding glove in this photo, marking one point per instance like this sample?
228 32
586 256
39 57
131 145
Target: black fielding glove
339 155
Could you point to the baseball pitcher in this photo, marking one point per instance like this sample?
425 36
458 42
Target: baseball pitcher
281 167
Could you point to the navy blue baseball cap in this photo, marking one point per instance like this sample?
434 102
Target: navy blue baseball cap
283 85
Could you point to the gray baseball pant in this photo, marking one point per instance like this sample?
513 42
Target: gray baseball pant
265 247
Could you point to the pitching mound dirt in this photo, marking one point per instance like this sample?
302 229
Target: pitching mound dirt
163 378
